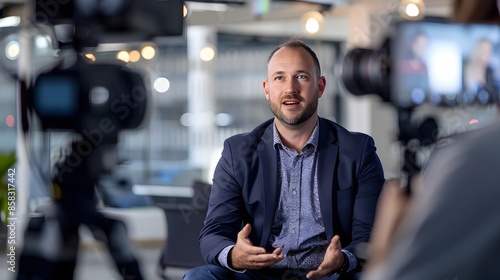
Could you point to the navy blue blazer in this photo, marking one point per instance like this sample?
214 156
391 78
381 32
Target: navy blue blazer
245 188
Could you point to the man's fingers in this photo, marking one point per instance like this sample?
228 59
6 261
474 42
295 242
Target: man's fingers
255 250
263 260
277 251
246 255
323 270
245 231
335 244
245 244
315 274
335 240
331 261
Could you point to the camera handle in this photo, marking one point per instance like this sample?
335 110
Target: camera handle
412 138
51 240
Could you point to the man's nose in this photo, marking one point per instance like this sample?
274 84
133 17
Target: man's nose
291 86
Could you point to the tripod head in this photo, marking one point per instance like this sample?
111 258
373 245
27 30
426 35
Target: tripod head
413 137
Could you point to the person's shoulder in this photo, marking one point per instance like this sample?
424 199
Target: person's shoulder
478 146
474 138
253 135
485 138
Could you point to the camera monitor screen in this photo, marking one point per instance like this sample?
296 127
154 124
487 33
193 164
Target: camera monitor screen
445 64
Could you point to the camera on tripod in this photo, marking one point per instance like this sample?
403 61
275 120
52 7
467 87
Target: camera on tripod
97 101
429 62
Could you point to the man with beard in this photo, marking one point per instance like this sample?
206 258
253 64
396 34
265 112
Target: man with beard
295 197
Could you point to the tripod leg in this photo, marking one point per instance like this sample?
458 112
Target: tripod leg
114 234
50 250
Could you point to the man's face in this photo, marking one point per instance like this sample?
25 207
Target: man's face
293 87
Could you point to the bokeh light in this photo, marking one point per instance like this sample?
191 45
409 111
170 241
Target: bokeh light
134 56
312 22
148 52
474 121
207 53
9 120
186 119
90 56
161 84
12 50
412 9
123 56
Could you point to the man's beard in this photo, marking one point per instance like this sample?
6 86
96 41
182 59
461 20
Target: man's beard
302 117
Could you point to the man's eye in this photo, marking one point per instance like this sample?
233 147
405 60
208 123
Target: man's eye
301 76
278 78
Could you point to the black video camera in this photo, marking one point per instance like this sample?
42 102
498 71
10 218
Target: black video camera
87 96
429 62
96 100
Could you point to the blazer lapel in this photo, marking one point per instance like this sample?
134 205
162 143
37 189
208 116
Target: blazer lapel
269 171
327 160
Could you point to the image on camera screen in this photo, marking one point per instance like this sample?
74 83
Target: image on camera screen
445 64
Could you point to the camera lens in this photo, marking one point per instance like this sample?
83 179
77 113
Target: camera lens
365 71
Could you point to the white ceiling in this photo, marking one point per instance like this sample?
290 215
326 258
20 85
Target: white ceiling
283 18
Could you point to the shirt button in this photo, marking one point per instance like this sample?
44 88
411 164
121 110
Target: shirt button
294 192
293 230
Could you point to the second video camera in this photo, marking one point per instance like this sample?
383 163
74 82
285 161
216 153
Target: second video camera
434 62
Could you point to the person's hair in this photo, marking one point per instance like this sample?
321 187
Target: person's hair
296 43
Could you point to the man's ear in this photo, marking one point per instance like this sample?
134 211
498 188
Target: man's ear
266 89
321 86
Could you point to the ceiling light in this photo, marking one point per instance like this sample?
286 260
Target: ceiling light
312 22
412 9
10 21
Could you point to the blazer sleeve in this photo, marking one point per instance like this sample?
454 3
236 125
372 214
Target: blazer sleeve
224 216
370 179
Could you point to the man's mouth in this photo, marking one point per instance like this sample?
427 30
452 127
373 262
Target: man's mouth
294 102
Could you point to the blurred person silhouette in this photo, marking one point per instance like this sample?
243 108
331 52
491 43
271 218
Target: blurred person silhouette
477 73
413 60
293 198
448 228
412 67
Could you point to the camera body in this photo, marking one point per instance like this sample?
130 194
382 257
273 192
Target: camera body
88 96
113 21
430 61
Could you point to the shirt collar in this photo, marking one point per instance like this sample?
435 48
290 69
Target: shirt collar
310 146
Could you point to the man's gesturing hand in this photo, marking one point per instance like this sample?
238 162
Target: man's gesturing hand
246 256
332 262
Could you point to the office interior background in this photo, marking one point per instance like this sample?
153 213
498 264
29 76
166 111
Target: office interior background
205 86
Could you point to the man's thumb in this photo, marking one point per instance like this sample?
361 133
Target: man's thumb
245 231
